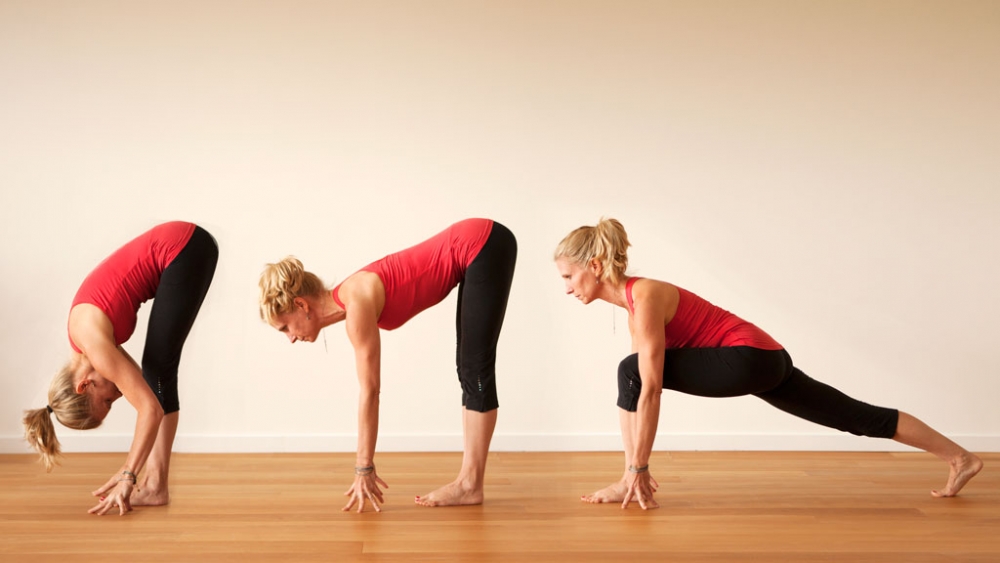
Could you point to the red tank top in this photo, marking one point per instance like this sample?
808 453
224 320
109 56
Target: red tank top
699 324
422 275
130 276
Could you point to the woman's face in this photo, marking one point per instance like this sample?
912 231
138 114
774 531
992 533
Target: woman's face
297 324
581 281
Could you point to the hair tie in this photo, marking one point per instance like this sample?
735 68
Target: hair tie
49 408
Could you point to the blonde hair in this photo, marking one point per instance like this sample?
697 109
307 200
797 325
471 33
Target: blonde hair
605 242
72 409
281 283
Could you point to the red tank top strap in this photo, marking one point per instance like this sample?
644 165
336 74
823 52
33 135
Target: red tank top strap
335 293
628 293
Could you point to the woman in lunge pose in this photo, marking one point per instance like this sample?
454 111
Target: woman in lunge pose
173 264
478 255
684 343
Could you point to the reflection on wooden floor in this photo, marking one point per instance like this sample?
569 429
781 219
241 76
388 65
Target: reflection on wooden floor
716 506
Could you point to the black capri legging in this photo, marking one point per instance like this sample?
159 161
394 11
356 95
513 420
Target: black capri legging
183 285
482 303
767 374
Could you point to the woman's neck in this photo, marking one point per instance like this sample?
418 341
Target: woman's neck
613 293
327 310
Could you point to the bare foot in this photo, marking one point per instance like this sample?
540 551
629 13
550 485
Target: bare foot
452 494
615 492
962 470
150 496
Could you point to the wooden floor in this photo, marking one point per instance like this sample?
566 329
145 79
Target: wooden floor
716 506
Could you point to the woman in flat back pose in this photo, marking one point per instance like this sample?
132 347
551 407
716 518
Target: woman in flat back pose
173 264
478 255
684 343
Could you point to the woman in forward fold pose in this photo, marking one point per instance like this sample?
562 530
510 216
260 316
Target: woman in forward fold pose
173 264
684 343
478 255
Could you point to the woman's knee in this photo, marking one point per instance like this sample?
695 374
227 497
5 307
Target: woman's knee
629 383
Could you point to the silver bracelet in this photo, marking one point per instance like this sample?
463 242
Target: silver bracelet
362 471
634 469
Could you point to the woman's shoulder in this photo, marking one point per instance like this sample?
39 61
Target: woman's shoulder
363 284
651 286
652 293
89 325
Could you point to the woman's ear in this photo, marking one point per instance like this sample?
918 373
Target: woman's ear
596 267
81 386
301 304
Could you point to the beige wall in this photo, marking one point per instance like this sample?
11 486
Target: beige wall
828 170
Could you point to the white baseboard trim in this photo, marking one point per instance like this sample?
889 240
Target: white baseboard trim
307 443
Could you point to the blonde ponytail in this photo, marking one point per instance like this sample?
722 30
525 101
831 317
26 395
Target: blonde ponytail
41 435
69 407
607 242
281 283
